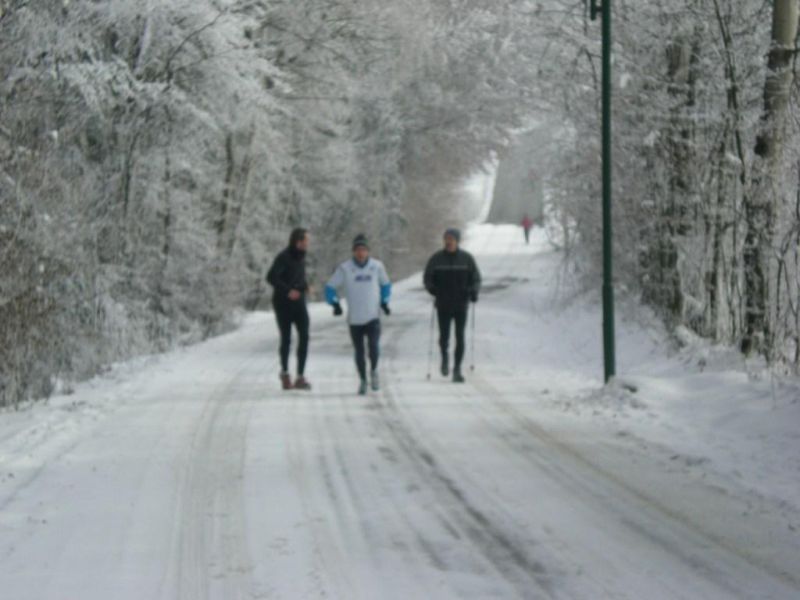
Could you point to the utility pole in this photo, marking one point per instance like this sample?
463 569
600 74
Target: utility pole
609 352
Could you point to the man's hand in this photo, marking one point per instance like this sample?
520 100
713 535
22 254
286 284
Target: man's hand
295 295
473 296
385 308
337 310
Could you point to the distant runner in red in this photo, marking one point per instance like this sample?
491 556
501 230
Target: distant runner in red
527 224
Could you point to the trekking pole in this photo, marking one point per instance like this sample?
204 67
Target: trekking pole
430 340
472 341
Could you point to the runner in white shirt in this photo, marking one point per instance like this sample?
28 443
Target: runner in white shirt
366 289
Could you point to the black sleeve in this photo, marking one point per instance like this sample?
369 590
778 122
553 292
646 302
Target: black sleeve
475 279
275 274
428 277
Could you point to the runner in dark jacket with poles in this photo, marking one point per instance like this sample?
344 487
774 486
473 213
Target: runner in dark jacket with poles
453 278
288 279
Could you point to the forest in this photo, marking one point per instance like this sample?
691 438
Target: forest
154 156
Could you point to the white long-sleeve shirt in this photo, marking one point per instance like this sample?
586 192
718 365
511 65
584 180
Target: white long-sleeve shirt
364 287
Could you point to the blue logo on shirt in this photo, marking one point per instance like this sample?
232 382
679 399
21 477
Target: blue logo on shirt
361 277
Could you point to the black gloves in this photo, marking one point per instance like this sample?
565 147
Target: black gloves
473 296
338 312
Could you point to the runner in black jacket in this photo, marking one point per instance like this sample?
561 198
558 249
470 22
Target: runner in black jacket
453 278
288 279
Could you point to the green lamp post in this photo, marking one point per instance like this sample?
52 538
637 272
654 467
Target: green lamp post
609 352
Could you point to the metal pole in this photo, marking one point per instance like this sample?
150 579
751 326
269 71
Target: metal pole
608 276
430 339
472 339
609 353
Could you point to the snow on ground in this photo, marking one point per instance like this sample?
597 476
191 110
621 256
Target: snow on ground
192 476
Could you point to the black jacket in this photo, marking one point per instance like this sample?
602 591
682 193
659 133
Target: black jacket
453 278
287 273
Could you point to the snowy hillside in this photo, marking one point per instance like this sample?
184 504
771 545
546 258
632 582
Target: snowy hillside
191 475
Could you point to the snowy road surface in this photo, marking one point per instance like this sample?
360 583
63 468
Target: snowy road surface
191 476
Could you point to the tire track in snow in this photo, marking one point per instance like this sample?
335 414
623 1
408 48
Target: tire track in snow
327 554
357 521
388 480
336 488
212 556
502 548
505 551
630 504
497 545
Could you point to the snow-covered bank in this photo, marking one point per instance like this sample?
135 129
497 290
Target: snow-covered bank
193 476
720 421
700 403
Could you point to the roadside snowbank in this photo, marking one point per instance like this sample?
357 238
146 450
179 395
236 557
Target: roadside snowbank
700 405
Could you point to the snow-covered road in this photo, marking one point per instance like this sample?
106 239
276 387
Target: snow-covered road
191 476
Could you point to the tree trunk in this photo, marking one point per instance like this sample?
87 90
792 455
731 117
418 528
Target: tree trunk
759 204
715 230
673 222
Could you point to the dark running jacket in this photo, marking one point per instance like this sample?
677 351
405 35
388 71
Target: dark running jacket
453 278
287 273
